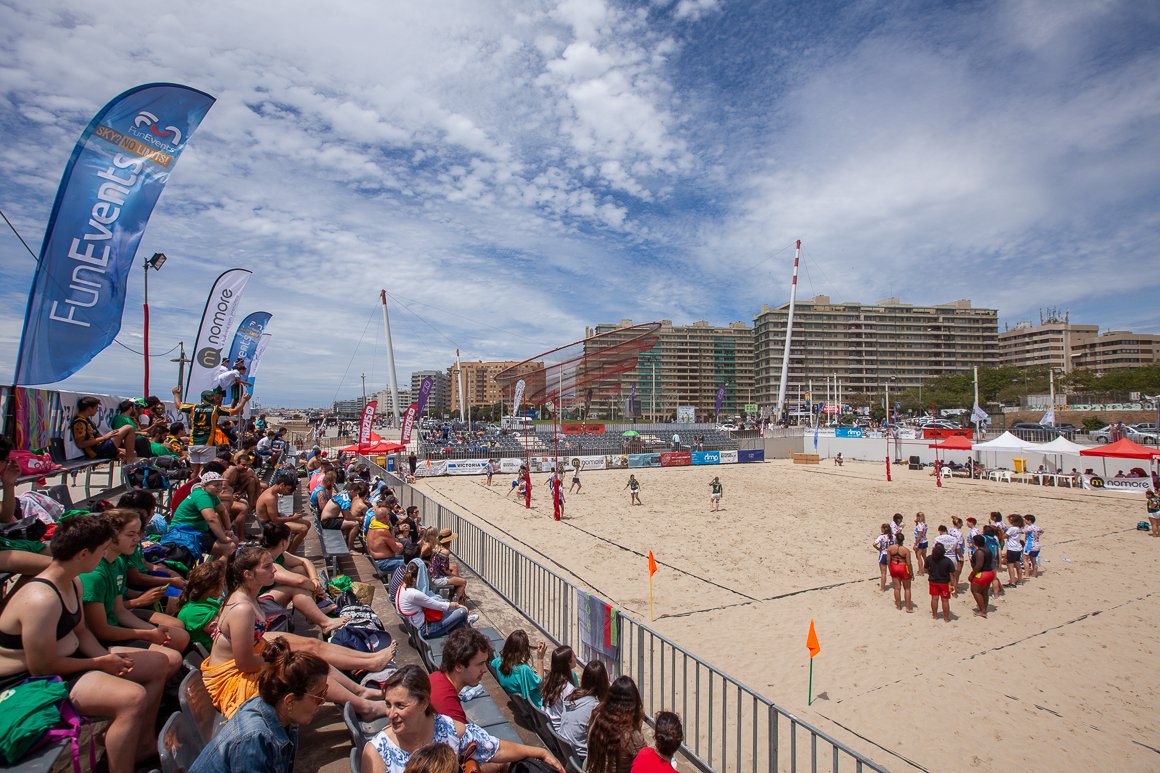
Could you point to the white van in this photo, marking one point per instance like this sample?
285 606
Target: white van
515 423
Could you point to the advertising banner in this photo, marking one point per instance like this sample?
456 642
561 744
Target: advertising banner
408 422
110 185
510 465
728 457
720 399
366 421
542 463
746 456
518 397
586 462
848 432
431 468
686 414
706 457
943 434
466 466
644 460
213 334
425 387
617 462
582 429
255 362
1117 485
247 339
676 459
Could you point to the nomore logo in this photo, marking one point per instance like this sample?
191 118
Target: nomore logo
209 357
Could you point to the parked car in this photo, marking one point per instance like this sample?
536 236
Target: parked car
1041 433
726 427
1131 432
941 424
1152 428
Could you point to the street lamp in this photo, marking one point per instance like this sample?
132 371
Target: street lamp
155 263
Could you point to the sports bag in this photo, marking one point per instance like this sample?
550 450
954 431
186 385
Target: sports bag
33 464
31 529
35 713
360 637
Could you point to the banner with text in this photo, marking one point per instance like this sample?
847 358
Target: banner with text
1117 485
213 334
110 185
366 422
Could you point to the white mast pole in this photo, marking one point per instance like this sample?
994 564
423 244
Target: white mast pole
462 394
788 333
390 361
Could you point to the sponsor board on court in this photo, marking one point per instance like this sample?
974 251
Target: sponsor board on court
1119 485
644 460
745 456
728 457
466 466
705 457
677 459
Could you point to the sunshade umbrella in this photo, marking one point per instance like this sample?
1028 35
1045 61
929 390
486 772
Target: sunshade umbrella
631 433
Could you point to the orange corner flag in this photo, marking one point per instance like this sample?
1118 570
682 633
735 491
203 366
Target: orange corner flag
652 564
812 641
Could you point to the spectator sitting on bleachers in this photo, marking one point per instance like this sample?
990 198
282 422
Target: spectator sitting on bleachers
559 683
262 736
177 440
235 660
580 704
127 412
114 444
415 724
40 635
383 548
615 731
445 574
244 481
104 598
266 511
410 553
201 601
514 672
345 511
465 656
668 734
295 580
322 491
433 616
143 575
199 522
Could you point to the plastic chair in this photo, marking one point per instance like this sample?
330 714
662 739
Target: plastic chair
197 707
179 744
360 731
355 754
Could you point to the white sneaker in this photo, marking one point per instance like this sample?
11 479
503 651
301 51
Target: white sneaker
472 619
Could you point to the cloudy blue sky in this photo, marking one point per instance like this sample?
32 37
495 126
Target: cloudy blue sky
514 171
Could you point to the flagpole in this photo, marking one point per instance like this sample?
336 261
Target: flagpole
650 604
810 698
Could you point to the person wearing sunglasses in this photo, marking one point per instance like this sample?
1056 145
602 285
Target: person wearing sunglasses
262 736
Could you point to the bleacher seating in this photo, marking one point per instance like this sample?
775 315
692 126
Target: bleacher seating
179 744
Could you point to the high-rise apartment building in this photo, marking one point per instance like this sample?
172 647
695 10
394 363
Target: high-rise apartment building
686 367
864 347
439 401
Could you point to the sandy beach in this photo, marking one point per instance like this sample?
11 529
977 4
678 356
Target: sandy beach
1057 677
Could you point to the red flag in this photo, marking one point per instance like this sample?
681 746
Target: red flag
409 423
812 641
652 564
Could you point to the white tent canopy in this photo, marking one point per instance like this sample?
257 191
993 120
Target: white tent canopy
1060 445
1006 442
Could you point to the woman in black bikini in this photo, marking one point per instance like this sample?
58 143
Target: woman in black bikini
42 631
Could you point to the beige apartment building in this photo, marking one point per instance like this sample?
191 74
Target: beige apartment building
1114 350
686 367
1050 344
478 382
864 347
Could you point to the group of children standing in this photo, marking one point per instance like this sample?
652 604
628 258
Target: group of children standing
986 549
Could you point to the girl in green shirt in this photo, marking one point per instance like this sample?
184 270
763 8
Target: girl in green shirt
200 601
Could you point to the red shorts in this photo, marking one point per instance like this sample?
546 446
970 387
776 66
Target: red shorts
899 571
983 579
940 589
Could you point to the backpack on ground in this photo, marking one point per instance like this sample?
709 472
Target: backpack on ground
361 638
36 713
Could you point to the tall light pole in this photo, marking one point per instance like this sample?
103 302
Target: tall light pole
155 263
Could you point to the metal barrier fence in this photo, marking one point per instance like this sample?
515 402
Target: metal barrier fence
728 725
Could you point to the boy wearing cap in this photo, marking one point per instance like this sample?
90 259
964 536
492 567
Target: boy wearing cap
203 512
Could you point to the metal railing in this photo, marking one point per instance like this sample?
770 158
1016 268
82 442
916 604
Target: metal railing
728 725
